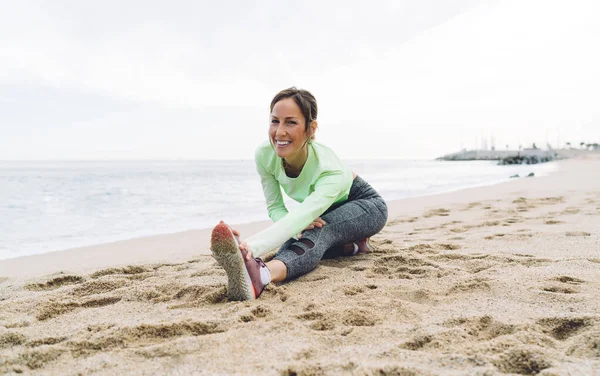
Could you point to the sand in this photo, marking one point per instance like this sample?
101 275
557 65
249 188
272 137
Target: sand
485 281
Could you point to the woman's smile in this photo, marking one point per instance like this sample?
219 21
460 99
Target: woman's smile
283 144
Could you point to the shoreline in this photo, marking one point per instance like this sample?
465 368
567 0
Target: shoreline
186 244
147 227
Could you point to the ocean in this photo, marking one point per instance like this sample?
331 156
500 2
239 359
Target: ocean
57 205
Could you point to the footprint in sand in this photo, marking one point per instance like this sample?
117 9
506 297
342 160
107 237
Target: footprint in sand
562 328
199 296
586 345
54 309
419 296
17 324
437 212
520 236
311 315
358 317
33 359
571 210
552 222
142 335
417 342
46 341
433 248
523 361
261 311
471 329
472 205
404 267
578 233
569 280
482 328
523 255
353 290
513 220
321 325
128 270
99 287
194 292
470 285
560 289
320 320
11 339
312 278
457 257
534 261
54 283
398 221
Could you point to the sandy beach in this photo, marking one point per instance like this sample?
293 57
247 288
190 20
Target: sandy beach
503 279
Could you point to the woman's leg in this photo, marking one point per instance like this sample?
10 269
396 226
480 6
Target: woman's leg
363 215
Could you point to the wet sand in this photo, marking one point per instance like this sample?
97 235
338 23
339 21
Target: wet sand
484 281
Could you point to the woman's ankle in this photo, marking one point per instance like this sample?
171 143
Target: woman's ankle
278 270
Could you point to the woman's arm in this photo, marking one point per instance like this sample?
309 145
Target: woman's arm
272 191
327 189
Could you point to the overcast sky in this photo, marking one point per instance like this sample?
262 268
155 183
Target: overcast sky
194 79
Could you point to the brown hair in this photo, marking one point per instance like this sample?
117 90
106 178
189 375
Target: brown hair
304 99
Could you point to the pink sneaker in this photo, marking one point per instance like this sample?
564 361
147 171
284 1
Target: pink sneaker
244 277
358 246
364 246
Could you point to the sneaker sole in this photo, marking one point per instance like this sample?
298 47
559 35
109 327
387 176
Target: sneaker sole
225 249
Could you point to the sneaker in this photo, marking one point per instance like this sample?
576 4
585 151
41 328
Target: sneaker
364 246
359 246
244 276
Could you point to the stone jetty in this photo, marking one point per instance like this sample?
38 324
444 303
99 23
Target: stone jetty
526 156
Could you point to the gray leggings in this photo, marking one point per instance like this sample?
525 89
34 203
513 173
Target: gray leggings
362 215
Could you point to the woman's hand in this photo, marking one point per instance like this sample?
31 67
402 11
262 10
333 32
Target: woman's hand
316 223
245 247
242 245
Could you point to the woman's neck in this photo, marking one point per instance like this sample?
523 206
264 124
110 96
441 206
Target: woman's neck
297 161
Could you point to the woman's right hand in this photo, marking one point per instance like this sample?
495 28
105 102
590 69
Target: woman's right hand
245 247
319 222
242 245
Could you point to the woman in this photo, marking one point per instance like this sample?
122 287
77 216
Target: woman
338 212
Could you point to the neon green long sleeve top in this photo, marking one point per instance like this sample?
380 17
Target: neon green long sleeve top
324 180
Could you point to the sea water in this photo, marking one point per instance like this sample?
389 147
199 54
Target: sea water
56 205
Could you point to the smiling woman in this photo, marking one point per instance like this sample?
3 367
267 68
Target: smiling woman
338 213
292 126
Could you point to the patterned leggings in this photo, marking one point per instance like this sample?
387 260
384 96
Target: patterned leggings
363 215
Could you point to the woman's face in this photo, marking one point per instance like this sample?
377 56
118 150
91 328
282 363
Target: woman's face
286 131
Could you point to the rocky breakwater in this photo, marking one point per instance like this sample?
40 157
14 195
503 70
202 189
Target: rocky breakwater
504 157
